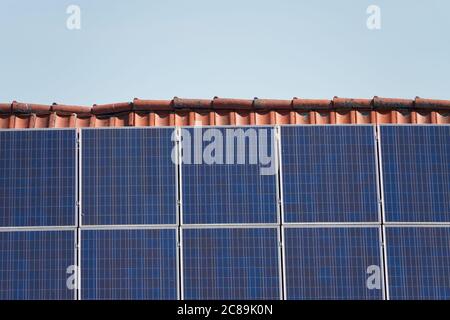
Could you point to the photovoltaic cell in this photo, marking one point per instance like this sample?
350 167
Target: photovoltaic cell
34 264
418 262
37 178
226 175
329 174
416 173
230 264
129 264
332 263
128 176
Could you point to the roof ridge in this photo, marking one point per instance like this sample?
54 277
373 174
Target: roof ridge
256 104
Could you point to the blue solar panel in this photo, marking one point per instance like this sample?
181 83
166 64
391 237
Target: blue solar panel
329 174
129 264
33 265
418 262
332 263
230 264
37 178
416 173
128 176
235 184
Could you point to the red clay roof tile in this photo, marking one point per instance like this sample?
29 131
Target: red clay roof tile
272 104
5 108
389 103
60 108
151 105
432 104
19 107
232 104
112 108
179 103
348 103
311 104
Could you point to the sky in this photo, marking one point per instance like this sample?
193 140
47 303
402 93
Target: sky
158 49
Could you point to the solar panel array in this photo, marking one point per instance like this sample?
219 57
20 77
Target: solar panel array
297 212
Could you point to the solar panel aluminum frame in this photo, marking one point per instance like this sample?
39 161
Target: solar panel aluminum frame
405 225
174 227
183 226
380 173
47 228
377 174
180 265
79 214
138 227
280 176
280 211
384 223
179 218
381 181
283 262
37 129
56 228
385 263
180 273
277 151
176 144
281 279
382 219
277 146
383 270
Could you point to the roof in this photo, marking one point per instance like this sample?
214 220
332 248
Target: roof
224 111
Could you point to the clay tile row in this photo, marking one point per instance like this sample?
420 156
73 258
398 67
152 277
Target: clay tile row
32 108
256 104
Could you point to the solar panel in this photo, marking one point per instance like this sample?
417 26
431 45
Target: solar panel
129 264
33 265
418 262
37 178
329 174
416 173
227 176
128 176
230 264
333 263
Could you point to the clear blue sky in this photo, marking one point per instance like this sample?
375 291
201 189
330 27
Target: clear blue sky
231 48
